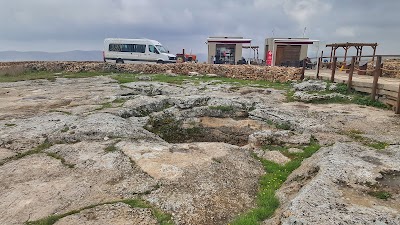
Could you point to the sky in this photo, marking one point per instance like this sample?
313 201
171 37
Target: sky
65 25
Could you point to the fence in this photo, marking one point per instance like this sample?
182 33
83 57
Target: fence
388 91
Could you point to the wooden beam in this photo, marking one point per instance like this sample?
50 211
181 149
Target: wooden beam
350 80
333 67
377 74
351 44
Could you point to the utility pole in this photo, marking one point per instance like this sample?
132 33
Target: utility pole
304 32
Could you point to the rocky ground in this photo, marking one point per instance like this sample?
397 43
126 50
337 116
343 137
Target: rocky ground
83 149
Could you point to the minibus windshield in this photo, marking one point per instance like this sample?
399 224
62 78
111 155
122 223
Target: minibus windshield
161 49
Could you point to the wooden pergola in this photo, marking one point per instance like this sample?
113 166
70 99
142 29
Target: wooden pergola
254 48
346 46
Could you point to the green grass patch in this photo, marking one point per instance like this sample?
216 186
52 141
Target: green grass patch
356 135
125 78
380 194
275 148
275 175
361 99
10 124
356 97
162 218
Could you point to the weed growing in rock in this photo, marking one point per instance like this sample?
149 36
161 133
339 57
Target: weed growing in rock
275 175
45 145
283 126
111 148
380 194
105 106
357 136
56 156
120 100
162 218
10 124
280 125
65 129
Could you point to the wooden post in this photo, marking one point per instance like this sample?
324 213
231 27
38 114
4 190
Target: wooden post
373 55
333 65
330 60
358 52
345 54
303 70
350 81
377 74
398 102
361 48
319 63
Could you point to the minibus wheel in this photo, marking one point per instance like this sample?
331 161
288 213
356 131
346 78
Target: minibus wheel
120 61
160 62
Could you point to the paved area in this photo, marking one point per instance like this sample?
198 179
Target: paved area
391 84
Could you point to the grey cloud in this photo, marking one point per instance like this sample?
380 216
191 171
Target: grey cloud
74 24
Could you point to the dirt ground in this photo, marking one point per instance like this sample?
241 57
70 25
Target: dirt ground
79 147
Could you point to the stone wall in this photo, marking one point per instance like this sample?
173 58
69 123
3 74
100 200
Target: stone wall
391 68
251 72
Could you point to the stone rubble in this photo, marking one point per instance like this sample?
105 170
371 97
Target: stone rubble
248 72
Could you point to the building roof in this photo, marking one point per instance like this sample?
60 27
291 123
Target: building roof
229 40
295 41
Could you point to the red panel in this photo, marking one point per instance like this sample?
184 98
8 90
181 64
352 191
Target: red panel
294 43
231 42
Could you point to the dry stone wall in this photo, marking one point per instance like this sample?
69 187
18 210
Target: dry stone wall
250 72
391 68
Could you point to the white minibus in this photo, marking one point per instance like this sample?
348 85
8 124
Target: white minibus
119 50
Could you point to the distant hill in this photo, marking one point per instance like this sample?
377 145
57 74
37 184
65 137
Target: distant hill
12 56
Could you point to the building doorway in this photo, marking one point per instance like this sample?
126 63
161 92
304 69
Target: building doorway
287 55
225 54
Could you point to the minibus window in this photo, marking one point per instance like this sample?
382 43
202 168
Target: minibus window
153 49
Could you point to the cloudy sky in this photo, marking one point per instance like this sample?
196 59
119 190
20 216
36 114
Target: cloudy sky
63 25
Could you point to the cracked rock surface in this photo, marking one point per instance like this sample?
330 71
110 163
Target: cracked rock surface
81 146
